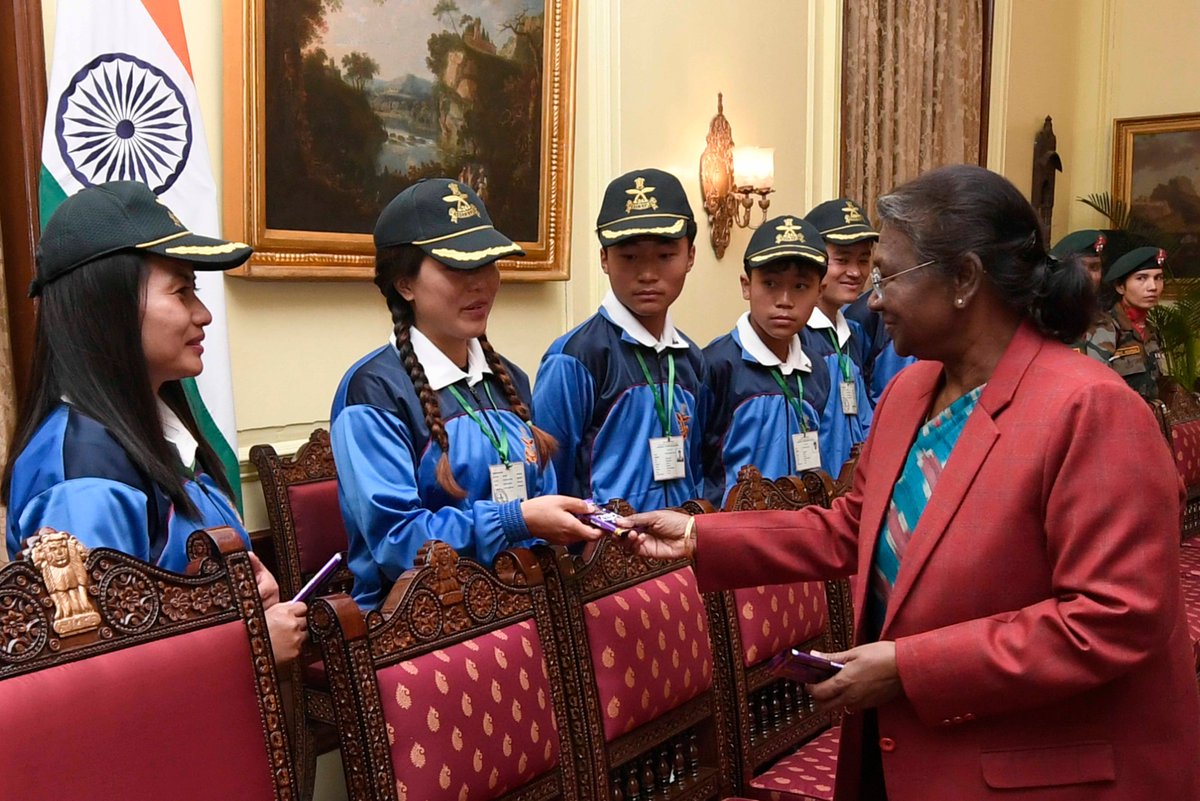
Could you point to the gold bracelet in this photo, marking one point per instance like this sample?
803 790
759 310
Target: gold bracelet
689 538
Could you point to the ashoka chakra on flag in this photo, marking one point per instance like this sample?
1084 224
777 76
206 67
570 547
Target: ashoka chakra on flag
121 118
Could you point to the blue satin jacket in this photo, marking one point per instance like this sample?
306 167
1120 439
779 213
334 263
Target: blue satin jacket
390 498
749 421
75 477
592 397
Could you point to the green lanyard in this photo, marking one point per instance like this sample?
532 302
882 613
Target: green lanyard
500 443
660 402
795 402
843 360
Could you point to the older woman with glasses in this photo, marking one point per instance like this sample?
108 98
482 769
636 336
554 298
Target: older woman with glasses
1019 634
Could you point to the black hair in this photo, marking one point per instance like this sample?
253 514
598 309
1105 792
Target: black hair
950 212
404 261
781 265
88 351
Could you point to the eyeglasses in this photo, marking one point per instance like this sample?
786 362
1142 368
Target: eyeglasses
878 280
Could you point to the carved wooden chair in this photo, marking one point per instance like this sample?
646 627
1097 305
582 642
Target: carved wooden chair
122 680
773 717
306 530
1178 412
649 699
302 507
458 692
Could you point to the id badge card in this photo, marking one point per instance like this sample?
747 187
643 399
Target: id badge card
508 482
805 450
666 457
849 397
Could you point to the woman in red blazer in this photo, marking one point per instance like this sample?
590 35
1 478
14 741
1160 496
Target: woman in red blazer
1021 634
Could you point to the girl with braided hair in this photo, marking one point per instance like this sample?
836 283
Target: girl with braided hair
431 433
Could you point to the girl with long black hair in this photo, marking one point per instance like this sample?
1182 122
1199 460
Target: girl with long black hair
106 447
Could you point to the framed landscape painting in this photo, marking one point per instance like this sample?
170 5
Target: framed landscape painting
1156 172
332 107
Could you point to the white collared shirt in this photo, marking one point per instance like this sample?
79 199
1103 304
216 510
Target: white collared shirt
797 359
627 322
176 433
819 320
440 371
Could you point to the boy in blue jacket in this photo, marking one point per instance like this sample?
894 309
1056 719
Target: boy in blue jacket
767 393
840 342
621 391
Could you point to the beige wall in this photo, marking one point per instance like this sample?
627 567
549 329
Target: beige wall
1085 63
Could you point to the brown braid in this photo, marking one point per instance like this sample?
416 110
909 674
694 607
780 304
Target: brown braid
546 444
390 265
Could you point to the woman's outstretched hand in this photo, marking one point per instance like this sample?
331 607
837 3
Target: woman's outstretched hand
658 535
554 519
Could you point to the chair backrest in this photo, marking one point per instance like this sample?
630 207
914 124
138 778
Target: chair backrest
773 716
649 700
122 680
459 692
302 507
1178 412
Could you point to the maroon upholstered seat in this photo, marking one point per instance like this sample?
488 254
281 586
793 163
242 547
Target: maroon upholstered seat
458 693
1189 559
134 683
806 774
771 618
317 518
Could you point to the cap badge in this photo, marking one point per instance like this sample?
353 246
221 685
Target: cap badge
1161 257
1101 241
640 202
790 232
463 207
170 213
853 215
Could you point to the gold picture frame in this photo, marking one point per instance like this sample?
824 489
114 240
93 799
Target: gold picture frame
1156 174
291 242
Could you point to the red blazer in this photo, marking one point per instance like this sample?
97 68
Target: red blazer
1037 614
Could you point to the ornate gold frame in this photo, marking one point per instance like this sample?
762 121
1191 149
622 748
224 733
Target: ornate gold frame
313 255
1124 130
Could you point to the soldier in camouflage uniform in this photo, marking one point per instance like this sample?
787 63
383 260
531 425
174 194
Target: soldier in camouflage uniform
1138 279
1100 340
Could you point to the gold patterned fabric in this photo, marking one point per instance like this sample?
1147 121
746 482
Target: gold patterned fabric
471 721
650 649
911 91
771 618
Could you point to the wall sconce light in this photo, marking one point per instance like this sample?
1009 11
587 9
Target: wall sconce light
730 177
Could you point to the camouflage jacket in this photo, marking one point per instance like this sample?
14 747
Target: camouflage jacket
1100 340
1139 361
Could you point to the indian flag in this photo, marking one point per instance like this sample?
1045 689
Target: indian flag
122 106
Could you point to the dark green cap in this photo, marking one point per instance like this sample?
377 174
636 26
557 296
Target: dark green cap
786 237
1144 258
448 221
645 202
107 218
842 222
1088 242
